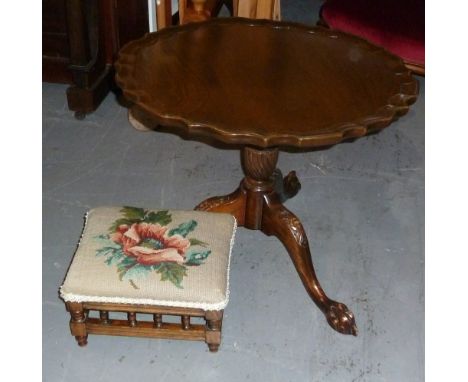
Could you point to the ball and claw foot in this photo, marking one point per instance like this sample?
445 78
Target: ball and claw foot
341 319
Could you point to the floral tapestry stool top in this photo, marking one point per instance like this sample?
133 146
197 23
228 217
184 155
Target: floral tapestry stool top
155 261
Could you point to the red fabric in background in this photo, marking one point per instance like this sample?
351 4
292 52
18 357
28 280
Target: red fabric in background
397 25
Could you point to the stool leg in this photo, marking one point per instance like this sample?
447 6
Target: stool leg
78 322
214 321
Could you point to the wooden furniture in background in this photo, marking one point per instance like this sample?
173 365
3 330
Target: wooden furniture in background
287 97
257 9
198 10
188 11
55 45
81 39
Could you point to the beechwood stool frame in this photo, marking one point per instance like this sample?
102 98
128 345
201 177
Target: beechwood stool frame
81 324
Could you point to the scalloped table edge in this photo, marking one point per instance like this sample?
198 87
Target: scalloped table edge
397 105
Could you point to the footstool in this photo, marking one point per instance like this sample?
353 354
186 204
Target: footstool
159 262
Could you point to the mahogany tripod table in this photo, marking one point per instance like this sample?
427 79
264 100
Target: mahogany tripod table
262 86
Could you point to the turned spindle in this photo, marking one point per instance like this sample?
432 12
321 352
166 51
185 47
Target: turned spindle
132 319
104 317
186 322
157 320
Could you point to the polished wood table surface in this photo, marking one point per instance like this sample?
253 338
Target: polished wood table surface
264 86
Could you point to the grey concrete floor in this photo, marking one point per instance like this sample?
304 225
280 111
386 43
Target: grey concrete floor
362 205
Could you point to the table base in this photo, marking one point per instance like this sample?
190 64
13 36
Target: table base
257 204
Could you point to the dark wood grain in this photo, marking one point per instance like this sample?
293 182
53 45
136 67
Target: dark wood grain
265 83
88 24
131 18
55 47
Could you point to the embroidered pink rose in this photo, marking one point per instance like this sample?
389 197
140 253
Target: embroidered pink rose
149 244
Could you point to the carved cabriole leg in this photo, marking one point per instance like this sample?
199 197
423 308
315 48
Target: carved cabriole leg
233 204
280 222
78 322
214 321
286 187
